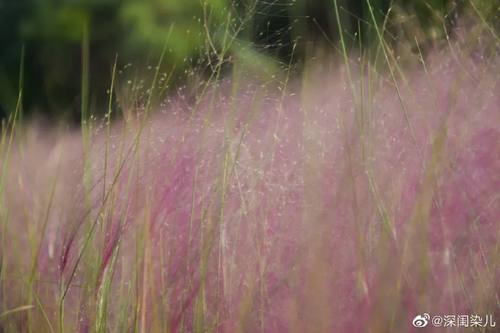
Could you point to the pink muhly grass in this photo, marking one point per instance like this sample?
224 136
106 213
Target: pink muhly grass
269 210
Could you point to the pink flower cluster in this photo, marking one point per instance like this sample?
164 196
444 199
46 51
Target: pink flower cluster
298 209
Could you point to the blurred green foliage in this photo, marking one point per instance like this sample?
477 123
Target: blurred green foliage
137 30
52 32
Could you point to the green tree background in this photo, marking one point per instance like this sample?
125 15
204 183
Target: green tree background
136 30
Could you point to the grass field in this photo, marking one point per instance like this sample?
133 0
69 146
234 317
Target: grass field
349 196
